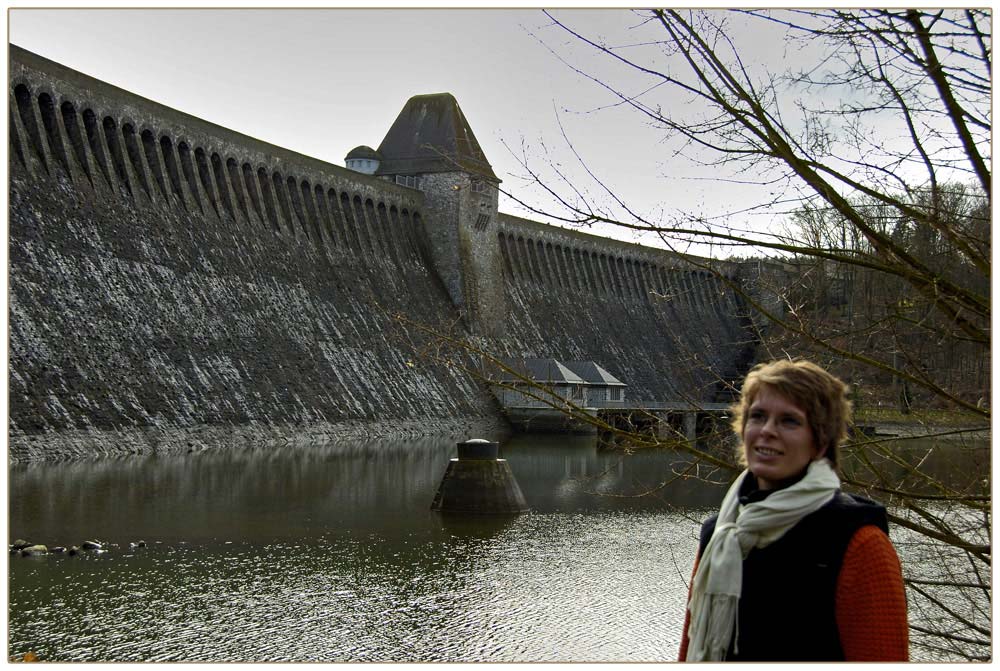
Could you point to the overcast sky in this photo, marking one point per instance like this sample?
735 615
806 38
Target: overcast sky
322 81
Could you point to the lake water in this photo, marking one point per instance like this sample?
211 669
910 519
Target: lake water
332 553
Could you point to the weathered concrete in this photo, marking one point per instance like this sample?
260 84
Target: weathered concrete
479 483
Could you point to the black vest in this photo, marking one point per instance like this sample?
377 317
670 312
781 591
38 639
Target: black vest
787 605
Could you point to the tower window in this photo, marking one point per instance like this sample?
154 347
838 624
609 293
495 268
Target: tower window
411 181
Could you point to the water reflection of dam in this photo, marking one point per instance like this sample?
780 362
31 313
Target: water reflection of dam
570 472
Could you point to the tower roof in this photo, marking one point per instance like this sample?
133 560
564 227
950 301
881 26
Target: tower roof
362 151
432 135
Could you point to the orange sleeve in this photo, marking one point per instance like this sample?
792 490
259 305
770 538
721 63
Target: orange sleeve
871 600
682 655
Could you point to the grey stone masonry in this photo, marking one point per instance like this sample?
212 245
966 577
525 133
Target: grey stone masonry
461 234
171 280
432 141
175 285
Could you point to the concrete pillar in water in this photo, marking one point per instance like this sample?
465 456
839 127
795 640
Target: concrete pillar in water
479 483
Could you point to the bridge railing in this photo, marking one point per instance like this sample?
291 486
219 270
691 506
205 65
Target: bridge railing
653 406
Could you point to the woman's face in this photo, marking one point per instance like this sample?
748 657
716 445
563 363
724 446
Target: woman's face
778 441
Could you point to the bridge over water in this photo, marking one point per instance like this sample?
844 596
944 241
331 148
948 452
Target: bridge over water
659 418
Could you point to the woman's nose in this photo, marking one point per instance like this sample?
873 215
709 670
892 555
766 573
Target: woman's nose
769 427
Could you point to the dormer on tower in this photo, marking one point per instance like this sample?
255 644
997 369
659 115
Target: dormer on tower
363 159
431 147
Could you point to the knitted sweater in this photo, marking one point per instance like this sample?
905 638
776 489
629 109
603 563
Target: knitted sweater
870 601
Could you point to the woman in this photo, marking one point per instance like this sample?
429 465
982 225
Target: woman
791 568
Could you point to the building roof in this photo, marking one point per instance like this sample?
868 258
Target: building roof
363 151
548 371
432 135
592 373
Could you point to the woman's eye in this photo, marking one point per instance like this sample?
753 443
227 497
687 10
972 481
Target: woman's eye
756 415
791 421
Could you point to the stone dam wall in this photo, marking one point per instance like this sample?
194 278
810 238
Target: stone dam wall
172 284
176 286
671 331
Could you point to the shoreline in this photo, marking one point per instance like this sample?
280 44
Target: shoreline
92 444
916 429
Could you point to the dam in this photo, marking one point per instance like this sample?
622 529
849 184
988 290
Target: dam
175 286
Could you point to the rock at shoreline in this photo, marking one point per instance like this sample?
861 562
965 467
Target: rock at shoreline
33 550
91 545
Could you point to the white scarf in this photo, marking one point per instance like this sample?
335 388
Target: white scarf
715 590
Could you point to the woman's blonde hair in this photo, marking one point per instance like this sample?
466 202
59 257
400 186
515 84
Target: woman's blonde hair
822 396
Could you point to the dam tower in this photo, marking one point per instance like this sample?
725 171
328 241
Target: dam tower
431 147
